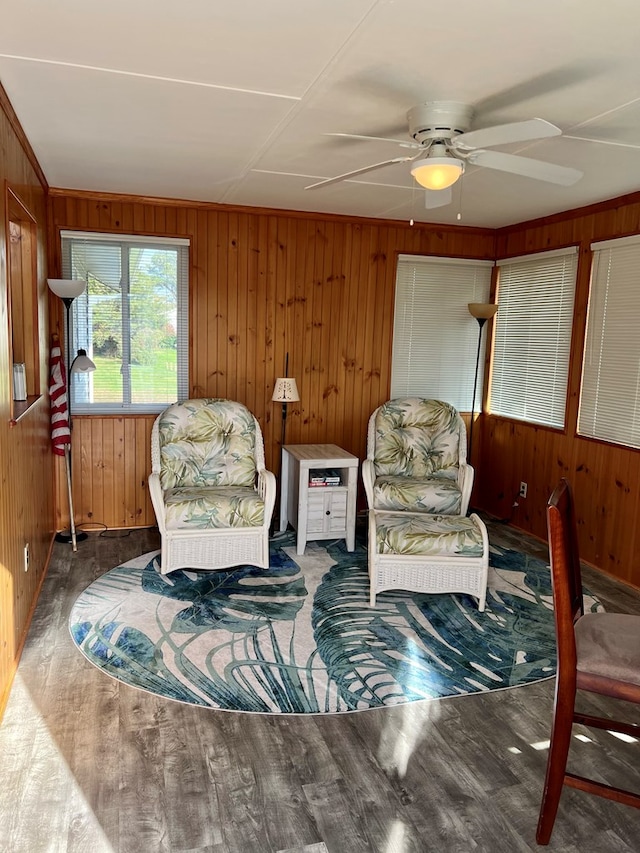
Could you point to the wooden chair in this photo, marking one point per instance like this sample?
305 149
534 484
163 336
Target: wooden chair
597 652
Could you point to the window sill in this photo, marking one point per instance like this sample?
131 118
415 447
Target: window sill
20 408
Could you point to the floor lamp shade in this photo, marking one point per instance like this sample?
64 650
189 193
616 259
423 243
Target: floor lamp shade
285 391
482 311
82 363
67 288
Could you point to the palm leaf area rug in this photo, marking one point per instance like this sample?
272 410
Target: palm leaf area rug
301 637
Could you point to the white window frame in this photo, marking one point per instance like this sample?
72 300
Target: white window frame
435 338
77 390
532 337
609 407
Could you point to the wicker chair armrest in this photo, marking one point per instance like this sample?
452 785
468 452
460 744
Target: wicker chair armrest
368 478
267 491
157 499
465 482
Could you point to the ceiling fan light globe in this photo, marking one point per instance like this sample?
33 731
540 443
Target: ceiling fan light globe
437 173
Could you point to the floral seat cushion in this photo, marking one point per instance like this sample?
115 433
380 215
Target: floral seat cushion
417 438
207 442
196 507
418 446
438 495
432 535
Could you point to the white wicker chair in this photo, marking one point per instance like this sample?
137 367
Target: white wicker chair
418 487
212 496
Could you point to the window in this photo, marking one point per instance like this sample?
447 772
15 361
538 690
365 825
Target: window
132 320
435 339
532 337
610 394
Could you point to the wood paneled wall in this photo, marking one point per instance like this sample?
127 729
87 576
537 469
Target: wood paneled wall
263 284
26 494
606 478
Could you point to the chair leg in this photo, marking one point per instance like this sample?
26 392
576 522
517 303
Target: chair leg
557 759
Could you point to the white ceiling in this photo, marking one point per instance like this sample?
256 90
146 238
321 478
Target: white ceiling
214 101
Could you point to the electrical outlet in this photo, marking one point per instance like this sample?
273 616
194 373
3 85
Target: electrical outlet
523 490
27 557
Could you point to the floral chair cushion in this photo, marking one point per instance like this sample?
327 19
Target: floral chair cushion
211 507
436 494
207 442
417 438
435 535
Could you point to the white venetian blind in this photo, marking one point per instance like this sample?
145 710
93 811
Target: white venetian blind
435 338
532 337
610 393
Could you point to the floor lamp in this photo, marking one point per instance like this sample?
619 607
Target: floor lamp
482 311
67 290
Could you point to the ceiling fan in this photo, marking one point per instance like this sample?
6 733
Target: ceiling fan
439 133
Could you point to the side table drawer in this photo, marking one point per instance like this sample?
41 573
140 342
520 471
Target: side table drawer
327 509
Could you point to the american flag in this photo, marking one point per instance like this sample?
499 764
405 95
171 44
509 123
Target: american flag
60 432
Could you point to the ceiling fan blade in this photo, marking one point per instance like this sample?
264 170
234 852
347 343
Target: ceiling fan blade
603 141
517 165
438 198
546 83
406 143
347 175
502 134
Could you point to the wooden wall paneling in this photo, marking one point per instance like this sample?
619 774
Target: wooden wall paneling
262 346
97 496
332 393
349 316
249 272
205 371
130 465
282 236
81 468
201 294
142 459
362 277
234 381
298 246
223 306
138 218
115 220
115 473
276 332
619 487
588 479
26 492
319 327
160 215
310 301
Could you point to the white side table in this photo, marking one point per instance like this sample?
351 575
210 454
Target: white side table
318 512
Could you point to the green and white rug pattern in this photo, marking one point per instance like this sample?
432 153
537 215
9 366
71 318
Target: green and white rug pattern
301 638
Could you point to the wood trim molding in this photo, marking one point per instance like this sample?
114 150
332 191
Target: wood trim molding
109 198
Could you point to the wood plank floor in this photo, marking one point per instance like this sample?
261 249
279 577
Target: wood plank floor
89 765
